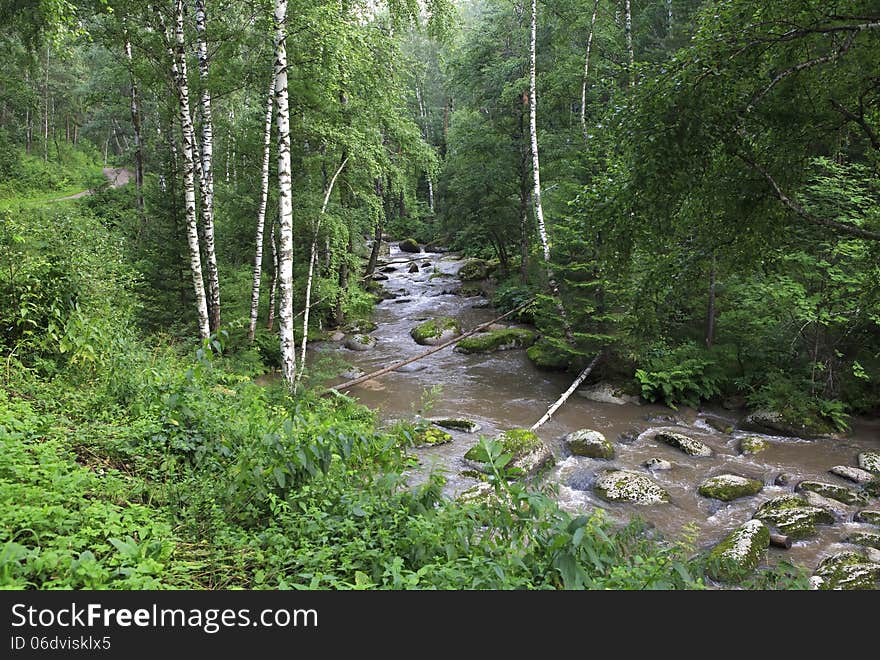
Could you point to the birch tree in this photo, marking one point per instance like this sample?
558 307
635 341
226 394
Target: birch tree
136 125
586 76
630 52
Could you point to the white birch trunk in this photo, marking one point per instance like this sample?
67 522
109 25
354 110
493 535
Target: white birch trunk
207 170
423 116
587 70
136 125
261 214
628 29
285 200
188 143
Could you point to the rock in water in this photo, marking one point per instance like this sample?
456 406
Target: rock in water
870 461
474 269
409 245
868 516
414 268
854 474
837 509
499 340
766 421
728 487
752 444
657 465
591 444
869 539
436 331
360 342
719 424
739 553
688 445
792 516
464 425
337 336
627 486
845 570
529 453
430 436
833 491
606 393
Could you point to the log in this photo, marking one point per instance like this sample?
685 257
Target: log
561 400
780 540
381 372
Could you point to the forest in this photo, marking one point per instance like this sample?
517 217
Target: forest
440 294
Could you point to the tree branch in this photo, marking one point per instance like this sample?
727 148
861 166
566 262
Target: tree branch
860 120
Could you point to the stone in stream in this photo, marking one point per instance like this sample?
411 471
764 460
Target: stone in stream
657 464
474 269
689 446
869 539
607 393
752 444
833 491
784 479
337 336
411 368
360 342
469 291
388 269
728 487
529 453
463 425
414 268
739 553
719 424
430 436
837 509
426 264
775 423
591 444
870 516
845 570
362 326
792 515
409 245
379 277
499 340
628 486
870 461
854 474
436 331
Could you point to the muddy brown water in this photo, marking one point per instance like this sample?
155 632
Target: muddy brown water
505 390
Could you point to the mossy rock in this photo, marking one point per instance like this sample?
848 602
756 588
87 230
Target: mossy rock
845 570
870 516
473 270
870 461
792 515
779 423
545 355
718 424
657 464
628 486
528 452
689 446
464 425
729 487
360 342
361 326
410 245
854 474
470 291
591 444
498 340
868 539
607 393
436 331
837 509
833 491
752 444
871 488
739 554
430 436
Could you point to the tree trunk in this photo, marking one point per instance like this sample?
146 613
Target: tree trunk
207 170
273 282
423 117
536 171
136 125
28 121
631 60
188 142
46 110
261 214
587 70
285 201
710 313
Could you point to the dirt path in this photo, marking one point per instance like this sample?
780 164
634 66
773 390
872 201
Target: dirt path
117 176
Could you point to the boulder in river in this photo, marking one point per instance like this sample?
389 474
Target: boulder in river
739 553
591 444
338 335
718 423
689 446
360 342
752 444
607 393
379 277
792 516
412 367
628 486
870 461
469 291
870 516
775 423
833 491
436 331
854 474
409 245
837 509
463 425
388 269
499 340
868 539
414 268
545 355
430 436
473 270
529 453
728 487
362 326
657 464
845 570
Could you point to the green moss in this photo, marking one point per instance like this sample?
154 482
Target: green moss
688 445
868 516
728 487
628 486
546 356
409 245
528 452
739 553
869 539
752 445
497 340
431 436
835 492
470 291
793 516
846 570
592 444
431 331
475 269
465 425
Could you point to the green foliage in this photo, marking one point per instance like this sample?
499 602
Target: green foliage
686 374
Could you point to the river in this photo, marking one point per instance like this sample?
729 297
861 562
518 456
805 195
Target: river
505 390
